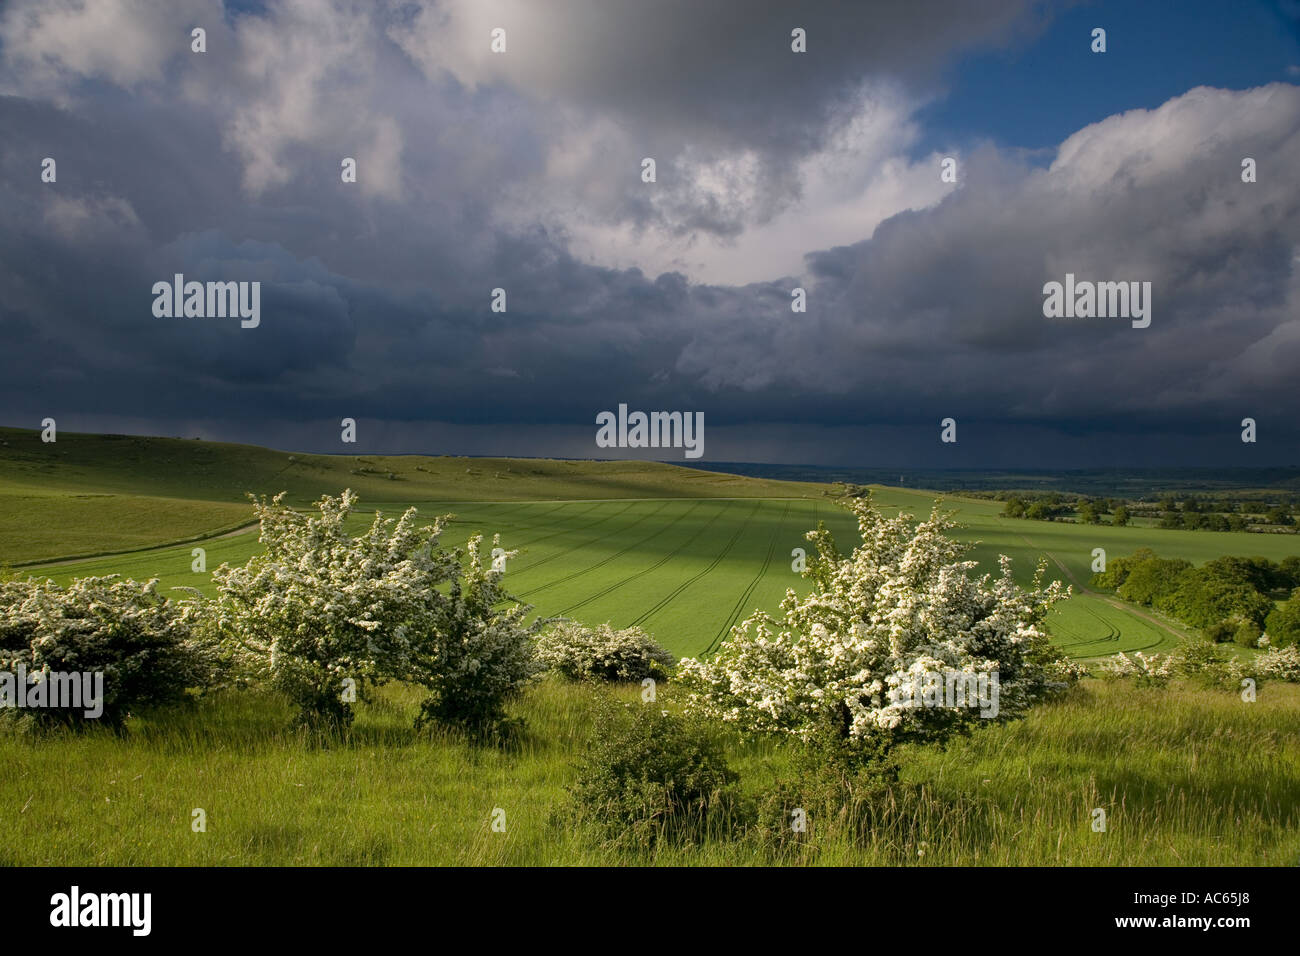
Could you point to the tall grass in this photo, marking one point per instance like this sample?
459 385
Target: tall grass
1186 777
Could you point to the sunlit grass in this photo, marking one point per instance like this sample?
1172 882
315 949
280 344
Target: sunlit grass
1186 777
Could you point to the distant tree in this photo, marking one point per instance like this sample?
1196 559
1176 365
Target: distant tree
846 489
1259 573
1118 569
1038 511
1279 516
1236 523
1214 522
1088 513
1220 632
1119 517
1283 622
1153 579
1204 597
1289 573
1247 634
1015 508
1171 519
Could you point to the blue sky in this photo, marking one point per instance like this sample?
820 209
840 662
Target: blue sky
1036 93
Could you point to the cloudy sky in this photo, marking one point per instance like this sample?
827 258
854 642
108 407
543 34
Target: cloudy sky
775 170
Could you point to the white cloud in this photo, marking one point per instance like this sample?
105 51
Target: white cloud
82 219
764 225
50 43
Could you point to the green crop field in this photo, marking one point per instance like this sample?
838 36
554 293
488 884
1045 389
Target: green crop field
684 553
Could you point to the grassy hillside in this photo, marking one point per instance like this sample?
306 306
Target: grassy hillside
92 494
217 471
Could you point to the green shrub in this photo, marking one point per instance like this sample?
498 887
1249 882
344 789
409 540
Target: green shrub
1205 596
1220 632
820 801
1118 569
1283 623
1247 634
650 776
1209 665
601 653
1152 579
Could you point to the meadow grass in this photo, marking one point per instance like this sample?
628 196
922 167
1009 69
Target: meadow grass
1186 777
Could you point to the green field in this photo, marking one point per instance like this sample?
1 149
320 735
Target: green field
684 553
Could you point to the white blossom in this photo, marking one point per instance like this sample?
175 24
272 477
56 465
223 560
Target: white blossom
320 605
904 603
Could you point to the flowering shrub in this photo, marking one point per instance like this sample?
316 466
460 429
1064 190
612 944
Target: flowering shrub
326 616
1147 670
1279 664
901 608
1063 670
1206 663
477 654
578 652
121 628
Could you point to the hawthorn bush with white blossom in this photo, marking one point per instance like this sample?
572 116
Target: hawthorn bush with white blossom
140 641
322 613
901 606
579 652
1147 670
1279 663
1206 663
478 654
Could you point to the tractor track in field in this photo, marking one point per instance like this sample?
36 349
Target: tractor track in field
1113 635
1107 599
658 564
744 597
167 546
563 531
544 537
667 599
532 519
605 560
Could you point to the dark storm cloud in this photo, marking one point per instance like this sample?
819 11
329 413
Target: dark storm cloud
376 295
